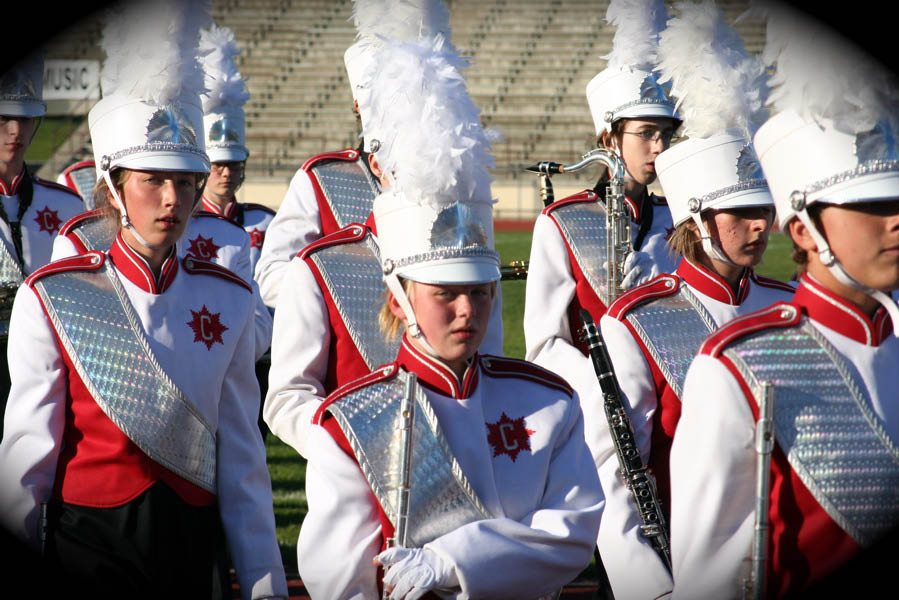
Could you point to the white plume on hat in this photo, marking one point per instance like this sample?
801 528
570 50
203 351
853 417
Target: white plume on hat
721 93
151 49
225 87
636 40
406 20
428 128
821 75
718 85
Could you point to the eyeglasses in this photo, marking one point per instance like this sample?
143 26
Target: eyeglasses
218 167
653 135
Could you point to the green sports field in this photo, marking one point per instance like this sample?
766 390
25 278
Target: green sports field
288 469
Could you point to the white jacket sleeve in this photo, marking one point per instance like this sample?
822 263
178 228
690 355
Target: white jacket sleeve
243 481
296 225
542 551
341 533
712 484
300 348
35 417
634 568
549 292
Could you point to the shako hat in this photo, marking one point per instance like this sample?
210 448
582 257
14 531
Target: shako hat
833 137
721 95
22 87
627 87
224 121
150 116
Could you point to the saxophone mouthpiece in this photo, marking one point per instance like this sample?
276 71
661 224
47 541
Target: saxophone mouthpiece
546 168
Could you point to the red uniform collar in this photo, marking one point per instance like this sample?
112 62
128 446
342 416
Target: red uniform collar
133 266
836 313
713 285
230 211
13 189
435 374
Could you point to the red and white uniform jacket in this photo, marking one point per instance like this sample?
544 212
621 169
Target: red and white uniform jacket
517 433
634 568
198 320
313 352
557 289
713 457
253 218
51 206
207 237
305 215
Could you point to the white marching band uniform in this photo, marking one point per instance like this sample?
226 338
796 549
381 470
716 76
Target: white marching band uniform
654 406
529 421
207 237
336 308
713 456
47 400
51 206
253 218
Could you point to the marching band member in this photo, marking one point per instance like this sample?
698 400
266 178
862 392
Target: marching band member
131 441
830 355
333 189
497 444
31 209
722 213
566 272
224 124
334 286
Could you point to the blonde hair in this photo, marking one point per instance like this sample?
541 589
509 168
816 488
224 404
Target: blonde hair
388 322
685 242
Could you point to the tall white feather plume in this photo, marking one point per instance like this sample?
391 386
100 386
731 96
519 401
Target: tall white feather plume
437 147
151 49
719 86
224 83
406 20
821 75
638 23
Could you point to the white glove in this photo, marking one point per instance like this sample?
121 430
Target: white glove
638 268
410 573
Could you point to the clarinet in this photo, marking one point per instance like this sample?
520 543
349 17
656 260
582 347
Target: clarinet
639 481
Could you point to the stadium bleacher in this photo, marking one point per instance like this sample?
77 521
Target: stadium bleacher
530 63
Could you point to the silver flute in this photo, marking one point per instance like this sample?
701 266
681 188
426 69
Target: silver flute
754 587
403 490
618 225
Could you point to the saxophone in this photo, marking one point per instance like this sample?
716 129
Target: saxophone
618 225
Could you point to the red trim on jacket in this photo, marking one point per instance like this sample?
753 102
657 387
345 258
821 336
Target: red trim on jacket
351 233
347 154
840 315
198 266
89 261
659 287
136 269
13 188
712 284
780 314
435 374
57 186
505 368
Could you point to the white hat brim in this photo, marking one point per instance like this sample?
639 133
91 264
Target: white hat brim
227 154
164 161
461 271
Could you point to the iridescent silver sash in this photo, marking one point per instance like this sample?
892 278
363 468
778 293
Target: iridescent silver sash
348 189
441 497
97 232
824 423
352 273
672 329
11 277
583 224
104 338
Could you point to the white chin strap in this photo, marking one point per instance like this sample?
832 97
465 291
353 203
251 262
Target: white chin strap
829 260
396 288
712 248
126 222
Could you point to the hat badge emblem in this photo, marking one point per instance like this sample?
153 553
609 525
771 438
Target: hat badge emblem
170 124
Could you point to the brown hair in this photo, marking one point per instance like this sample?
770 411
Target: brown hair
685 241
800 256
